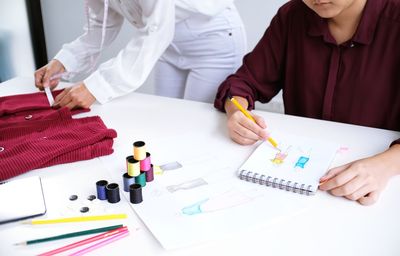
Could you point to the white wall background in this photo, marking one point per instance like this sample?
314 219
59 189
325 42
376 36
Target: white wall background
14 24
64 20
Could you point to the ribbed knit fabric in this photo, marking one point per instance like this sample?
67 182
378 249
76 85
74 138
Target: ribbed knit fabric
28 107
53 138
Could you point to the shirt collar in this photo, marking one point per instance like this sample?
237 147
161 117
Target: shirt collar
318 26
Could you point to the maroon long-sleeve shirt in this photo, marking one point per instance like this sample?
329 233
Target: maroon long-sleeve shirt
357 82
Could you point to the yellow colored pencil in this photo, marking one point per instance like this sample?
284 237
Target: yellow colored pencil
247 114
77 219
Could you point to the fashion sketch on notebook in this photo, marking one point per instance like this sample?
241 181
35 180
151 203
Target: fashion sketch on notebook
295 165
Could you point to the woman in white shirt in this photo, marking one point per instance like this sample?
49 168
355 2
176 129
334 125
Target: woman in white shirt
194 45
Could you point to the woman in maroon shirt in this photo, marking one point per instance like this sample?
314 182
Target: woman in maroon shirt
335 60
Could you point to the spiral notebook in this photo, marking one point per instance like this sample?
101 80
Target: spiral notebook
296 165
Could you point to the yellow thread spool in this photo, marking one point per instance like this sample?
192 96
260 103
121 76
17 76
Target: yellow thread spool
133 167
139 150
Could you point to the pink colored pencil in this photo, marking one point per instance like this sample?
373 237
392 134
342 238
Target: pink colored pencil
85 241
101 243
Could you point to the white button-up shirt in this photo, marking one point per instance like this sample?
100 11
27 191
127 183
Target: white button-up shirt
155 22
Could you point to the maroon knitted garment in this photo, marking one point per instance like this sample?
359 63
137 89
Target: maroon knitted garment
47 138
32 106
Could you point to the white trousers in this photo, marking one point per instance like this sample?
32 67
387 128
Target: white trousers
203 53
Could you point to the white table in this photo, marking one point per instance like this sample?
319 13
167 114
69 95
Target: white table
335 226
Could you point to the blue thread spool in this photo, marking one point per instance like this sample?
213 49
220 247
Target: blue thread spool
128 180
101 189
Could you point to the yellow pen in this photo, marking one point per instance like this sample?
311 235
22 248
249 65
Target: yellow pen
247 114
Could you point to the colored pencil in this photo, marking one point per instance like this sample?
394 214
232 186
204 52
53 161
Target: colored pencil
69 235
101 243
85 241
77 219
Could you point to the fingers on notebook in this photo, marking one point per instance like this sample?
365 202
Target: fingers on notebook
350 189
370 198
348 183
332 173
338 180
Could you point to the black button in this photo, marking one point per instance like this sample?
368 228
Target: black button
84 209
73 197
91 197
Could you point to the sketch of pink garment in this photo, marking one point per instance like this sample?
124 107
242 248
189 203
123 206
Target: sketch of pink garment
279 158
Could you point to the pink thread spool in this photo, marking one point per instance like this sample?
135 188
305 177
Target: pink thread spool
145 164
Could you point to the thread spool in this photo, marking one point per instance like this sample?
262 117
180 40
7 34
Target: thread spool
112 191
135 193
139 150
145 164
141 179
101 189
133 167
150 174
127 159
128 180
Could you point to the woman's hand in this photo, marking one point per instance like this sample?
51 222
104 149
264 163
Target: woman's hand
363 180
74 97
43 75
241 129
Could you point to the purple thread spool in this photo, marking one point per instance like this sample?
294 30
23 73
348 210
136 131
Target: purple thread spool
150 174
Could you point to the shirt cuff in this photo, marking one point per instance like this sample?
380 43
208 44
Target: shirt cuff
227 89
68 60
99 87
395 142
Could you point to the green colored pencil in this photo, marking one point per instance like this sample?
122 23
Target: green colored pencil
68 235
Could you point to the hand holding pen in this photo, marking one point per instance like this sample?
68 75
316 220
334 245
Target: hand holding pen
244 128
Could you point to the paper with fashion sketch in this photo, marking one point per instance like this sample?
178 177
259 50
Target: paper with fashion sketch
204 200
296 165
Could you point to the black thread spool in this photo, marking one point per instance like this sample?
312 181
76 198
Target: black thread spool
112 191
135 193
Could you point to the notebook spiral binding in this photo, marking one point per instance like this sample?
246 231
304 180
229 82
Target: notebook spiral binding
276 183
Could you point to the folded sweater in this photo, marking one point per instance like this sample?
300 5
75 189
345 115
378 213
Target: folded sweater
52 137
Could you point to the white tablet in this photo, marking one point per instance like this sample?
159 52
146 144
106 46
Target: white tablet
21 199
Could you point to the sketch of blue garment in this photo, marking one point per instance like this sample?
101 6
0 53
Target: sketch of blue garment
194 208
301 162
